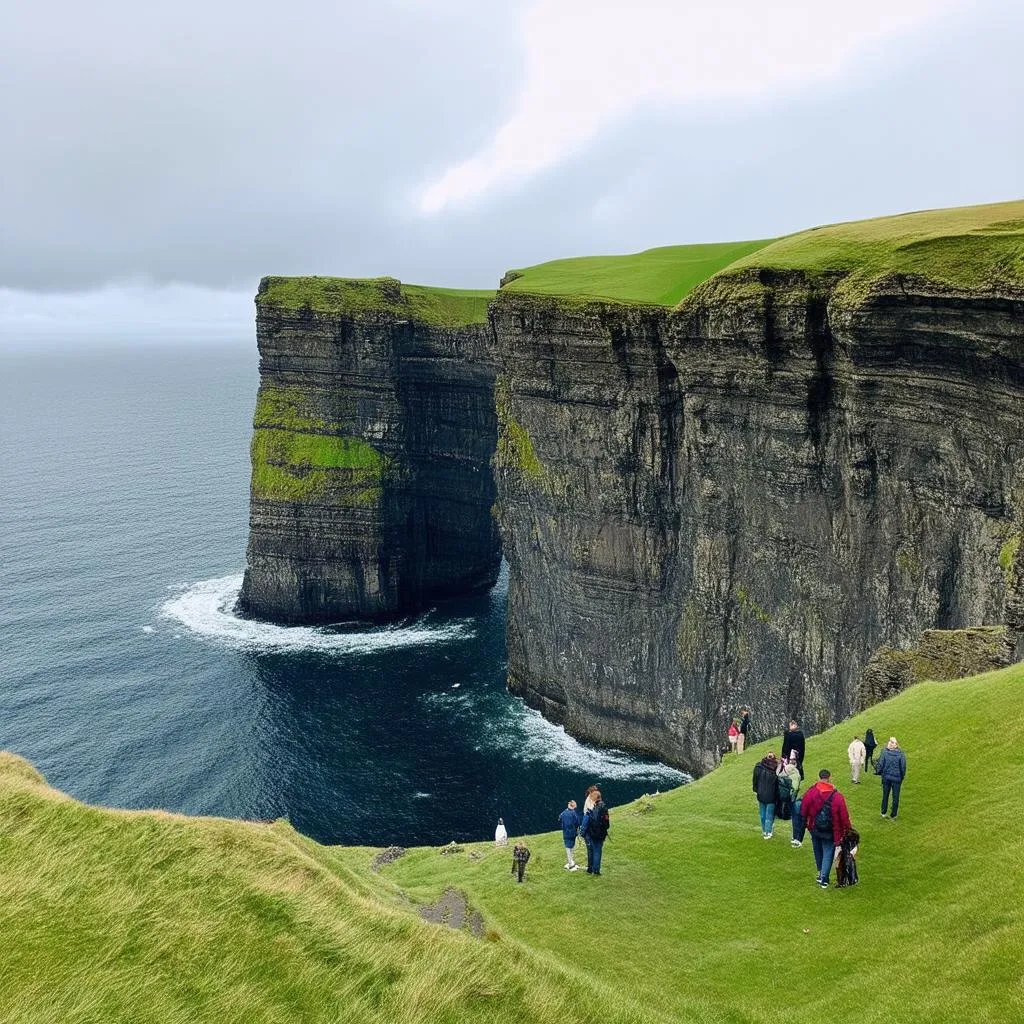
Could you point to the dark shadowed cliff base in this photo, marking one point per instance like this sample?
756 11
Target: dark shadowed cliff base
818 453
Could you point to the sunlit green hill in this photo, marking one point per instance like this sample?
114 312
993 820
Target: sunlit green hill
145 916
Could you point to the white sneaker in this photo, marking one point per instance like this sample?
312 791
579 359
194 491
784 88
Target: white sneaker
575 867
768 835
795 843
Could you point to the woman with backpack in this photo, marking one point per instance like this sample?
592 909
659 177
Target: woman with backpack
787 807
594 832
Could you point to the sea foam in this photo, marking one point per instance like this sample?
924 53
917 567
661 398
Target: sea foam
207 609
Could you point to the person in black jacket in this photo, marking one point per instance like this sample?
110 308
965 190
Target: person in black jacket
744 730
766 786
869 746
794 741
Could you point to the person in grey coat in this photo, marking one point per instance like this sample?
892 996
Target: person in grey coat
892 766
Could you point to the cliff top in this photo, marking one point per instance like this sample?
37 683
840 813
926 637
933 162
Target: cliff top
968 247
660 276
362 298
139 915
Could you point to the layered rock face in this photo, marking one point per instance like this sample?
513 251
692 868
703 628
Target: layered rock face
739 501
374 430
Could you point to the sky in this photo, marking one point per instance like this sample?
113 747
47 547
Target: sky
157 159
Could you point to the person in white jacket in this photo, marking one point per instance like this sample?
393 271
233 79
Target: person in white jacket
501 834
858 754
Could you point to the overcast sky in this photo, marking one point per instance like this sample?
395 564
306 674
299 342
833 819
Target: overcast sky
157 158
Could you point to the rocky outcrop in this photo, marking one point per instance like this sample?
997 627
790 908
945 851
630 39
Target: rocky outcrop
739 501
373 434
940 655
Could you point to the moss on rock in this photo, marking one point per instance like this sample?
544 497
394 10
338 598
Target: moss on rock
291 466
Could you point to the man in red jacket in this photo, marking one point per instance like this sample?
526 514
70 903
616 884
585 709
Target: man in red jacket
828 820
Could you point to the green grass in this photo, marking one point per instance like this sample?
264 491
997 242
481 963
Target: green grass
370 298
140 916
288 465
971 247
656 276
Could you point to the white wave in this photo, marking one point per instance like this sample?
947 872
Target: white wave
534 738
147 629
207 609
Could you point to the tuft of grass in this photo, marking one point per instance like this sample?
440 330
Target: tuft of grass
661 276
967 247
370 298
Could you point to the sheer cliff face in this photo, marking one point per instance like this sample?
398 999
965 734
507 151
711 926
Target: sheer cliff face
739 501
371 488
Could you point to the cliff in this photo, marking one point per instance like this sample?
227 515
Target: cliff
817 453
373 433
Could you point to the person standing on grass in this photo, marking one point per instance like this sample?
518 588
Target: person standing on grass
857 754
828 820
594 831
741 743
734 735
789 790
892 766
869 747
520 855
570 822
766 786
794 741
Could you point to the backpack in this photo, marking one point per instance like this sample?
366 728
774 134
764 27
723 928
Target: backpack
599 824
784 803
823 819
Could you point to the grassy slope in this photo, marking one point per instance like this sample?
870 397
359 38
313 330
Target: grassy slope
361 297
658 276
967 246
118 916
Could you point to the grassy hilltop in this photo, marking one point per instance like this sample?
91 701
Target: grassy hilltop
970 247
113 916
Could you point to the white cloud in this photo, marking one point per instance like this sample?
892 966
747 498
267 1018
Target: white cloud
589 62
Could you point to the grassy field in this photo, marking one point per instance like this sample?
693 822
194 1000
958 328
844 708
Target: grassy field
967 246
657 276
137 916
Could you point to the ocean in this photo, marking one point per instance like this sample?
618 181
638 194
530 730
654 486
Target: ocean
128 681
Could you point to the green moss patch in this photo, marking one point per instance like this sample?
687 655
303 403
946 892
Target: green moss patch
291 466
656 276
515 447
370 298
287 408
1008 554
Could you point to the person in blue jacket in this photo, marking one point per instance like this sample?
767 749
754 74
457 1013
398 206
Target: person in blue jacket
594 831
569 819
892 766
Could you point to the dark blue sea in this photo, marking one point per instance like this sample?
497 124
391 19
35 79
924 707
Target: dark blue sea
126 678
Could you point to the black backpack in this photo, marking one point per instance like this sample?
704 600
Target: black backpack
823 819
784 803
599 823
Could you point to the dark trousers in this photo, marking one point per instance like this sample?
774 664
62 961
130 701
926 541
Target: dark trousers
871 757
519 868
596 857
824 851
888 787
590 853
799 826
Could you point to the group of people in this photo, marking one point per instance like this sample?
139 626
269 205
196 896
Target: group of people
738 729
822 810
592 827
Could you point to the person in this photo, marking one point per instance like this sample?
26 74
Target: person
788 806
857 753
588 798
794 740
741 743
594 831
799 827
500 834
869 747
570 821
734 735
892 766
520 855
827 818
766 786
